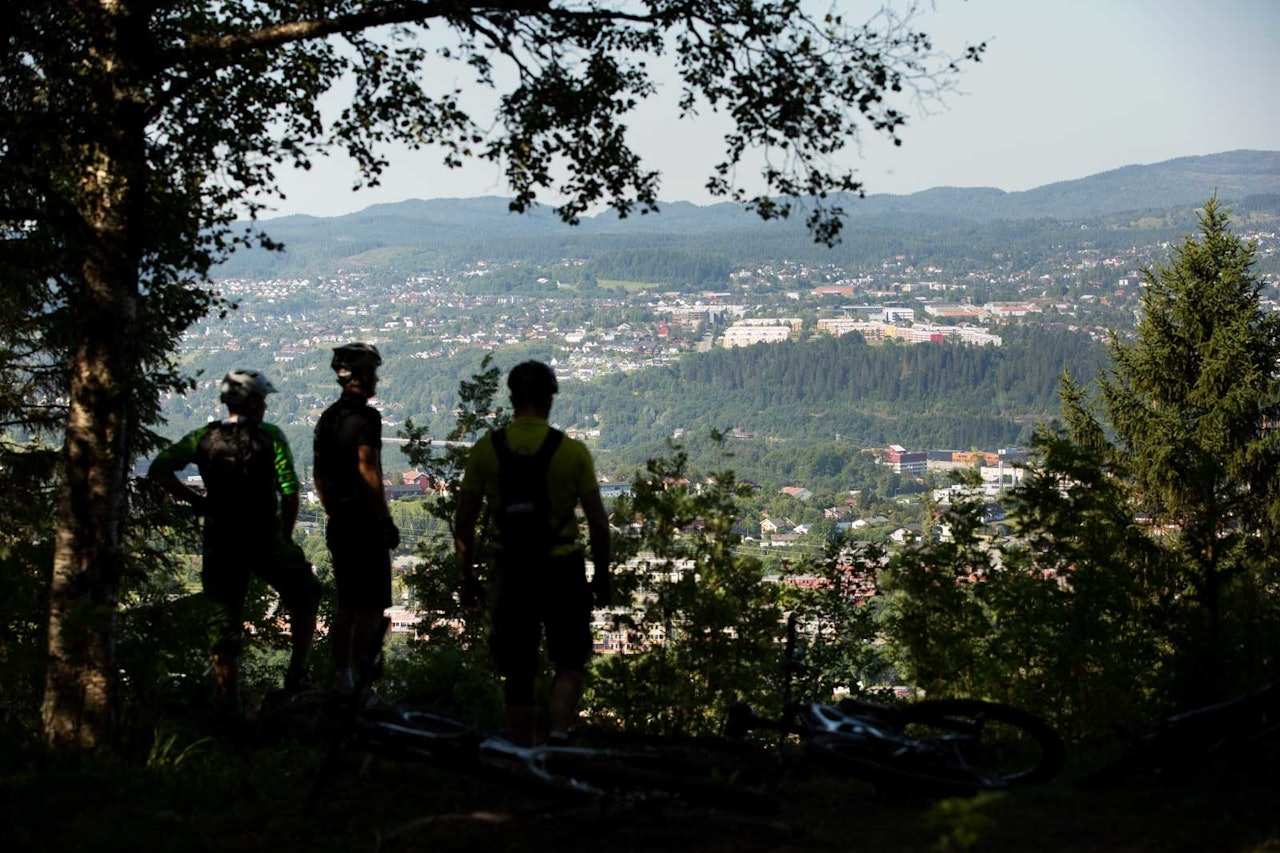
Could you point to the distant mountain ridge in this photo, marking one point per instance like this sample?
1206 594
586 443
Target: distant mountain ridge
1233 175
400 234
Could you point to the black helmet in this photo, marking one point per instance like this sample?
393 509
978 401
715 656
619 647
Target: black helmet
530 382
239 385
354 358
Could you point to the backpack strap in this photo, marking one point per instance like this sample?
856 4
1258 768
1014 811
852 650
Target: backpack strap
542 457
549 446
501 446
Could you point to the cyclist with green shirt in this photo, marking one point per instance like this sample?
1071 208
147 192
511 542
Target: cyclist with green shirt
250 506
534 478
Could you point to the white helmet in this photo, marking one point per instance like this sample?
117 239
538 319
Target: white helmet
239 385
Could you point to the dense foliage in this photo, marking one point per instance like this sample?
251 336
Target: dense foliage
1143 571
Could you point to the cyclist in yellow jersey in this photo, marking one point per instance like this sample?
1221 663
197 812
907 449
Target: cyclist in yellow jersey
534 478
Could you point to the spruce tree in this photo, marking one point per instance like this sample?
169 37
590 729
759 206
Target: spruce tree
1193 401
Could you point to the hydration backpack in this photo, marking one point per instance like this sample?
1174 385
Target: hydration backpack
236 459
523 514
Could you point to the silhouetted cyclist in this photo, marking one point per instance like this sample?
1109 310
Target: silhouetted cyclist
360 532
245 464
534 477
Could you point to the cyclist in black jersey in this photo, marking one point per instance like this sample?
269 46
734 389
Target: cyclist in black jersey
360 532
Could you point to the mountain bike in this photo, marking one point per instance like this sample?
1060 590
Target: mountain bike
673 773
932 747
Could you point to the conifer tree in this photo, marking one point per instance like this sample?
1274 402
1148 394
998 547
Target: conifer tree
1193 401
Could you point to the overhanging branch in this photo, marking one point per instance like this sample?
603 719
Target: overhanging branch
226 47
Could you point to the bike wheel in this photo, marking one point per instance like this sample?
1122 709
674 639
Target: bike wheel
1000 741
892 765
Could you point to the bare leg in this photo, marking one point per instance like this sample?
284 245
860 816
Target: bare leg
341 633
365 630
521 720
226 670
302 630
566 692
343 630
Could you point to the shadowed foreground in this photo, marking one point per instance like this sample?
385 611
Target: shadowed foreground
241 794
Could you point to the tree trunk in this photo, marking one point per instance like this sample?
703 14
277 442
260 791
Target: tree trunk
79 699
79 708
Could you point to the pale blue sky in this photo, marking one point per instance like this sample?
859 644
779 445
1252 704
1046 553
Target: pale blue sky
1068 88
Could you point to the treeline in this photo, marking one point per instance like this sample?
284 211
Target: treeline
521 279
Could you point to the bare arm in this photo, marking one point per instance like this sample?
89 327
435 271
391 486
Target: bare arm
288 514
169 481
371 473
464 546
464 530
598 532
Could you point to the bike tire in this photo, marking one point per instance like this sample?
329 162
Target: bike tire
1235 734
1003 741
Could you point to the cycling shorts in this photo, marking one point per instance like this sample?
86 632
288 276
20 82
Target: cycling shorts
361 562
529 598
231 560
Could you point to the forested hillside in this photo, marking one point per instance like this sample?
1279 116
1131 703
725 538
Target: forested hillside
801 393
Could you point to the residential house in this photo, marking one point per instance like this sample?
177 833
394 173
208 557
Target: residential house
774 526
610 489
908 533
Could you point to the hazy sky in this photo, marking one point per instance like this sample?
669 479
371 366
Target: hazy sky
1068 88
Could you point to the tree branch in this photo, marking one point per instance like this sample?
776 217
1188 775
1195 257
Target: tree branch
408 12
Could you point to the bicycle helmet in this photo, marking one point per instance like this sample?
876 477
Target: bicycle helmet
352 358
532 381
239 385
